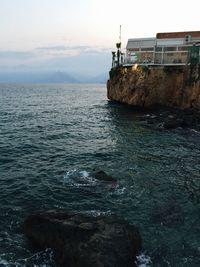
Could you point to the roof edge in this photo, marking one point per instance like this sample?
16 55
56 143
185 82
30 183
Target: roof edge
166 35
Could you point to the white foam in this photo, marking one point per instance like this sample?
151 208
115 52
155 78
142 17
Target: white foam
3 262
195 131
119 190
97 213
84 174
46 258
143 261
77 178
69 173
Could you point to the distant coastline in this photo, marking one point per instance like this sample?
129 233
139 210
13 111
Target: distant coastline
50 77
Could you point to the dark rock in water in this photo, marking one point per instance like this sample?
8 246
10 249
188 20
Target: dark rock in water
83 241
102 176
172 123
172 118
169 214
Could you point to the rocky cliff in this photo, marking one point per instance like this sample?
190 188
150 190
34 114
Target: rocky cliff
145 86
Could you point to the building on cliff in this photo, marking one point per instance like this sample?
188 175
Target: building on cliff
168 48
162 70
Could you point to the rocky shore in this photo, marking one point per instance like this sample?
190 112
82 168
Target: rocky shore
169 118
82 241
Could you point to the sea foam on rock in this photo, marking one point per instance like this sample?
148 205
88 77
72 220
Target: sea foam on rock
79 240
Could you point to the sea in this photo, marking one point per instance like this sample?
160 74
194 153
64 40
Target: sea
54 136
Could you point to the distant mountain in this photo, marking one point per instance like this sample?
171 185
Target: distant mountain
101 78
37 77
50 77
90 66
59 77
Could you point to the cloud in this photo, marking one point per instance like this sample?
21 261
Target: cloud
83 59
16 55
44 54
62 48
97 50
72 50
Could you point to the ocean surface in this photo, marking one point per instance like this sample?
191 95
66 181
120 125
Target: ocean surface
52 137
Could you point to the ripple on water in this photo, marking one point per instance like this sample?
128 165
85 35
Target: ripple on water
40 259
76 178
51 139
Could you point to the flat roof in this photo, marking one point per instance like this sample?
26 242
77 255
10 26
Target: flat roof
141 42
166 35
142 39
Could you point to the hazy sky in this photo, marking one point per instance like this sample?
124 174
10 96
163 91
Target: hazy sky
42 31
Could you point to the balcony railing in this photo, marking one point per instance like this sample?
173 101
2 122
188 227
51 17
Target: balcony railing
157 57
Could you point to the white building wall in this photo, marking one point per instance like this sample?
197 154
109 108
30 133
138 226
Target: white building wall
170 42
159 51
141 42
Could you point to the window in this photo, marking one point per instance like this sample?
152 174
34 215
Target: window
133 49
182 48
147 49
170 54
187 38
159 49
170 48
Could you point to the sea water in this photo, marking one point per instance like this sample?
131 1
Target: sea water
53 137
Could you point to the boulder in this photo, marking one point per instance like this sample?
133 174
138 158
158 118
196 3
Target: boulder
84 241
102 176
173 123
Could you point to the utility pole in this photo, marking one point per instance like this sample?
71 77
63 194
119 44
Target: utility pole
120 33
118 45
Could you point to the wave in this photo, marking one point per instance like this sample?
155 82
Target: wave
40 259
143 260
76 178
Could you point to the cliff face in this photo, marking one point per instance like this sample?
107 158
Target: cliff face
146 86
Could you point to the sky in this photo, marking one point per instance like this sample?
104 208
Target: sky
80 34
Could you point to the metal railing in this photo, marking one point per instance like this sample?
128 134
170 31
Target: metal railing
157 58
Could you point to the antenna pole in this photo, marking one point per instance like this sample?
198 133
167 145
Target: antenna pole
118 45
120 33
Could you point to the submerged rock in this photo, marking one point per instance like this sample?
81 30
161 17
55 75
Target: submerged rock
102 176
172 118
173 123
170 213
79 240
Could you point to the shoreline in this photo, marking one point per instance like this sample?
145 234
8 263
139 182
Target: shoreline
163 117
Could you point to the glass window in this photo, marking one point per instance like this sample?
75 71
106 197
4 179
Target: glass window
147 49
182 48
133 49
159 49
170 48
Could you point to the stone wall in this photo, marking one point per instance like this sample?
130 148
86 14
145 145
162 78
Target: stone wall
144 86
